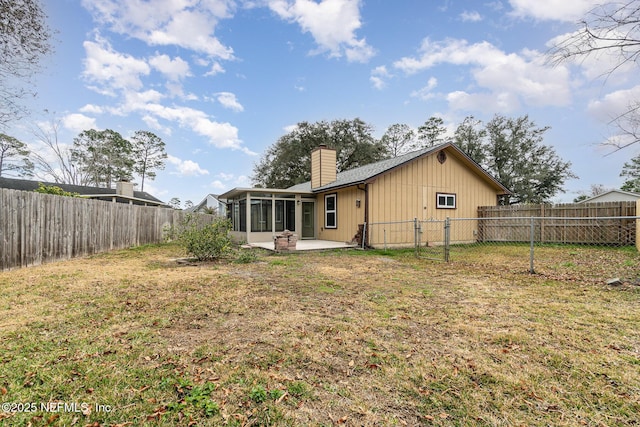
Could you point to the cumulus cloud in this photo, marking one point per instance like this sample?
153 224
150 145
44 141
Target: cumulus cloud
186 167
557 10
78 122
614 104
470 16
426 92
508 78
173 69
187 24
91 109
215 69
111 70
331 23
379 77
228 100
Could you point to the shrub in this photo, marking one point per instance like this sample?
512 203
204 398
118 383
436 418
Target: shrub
204 240
55 190
246 256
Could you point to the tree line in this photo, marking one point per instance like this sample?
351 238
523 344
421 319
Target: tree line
97 158
510 149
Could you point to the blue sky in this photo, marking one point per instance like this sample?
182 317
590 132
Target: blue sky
221 80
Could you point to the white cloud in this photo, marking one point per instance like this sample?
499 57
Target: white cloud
379 77
510 79
78 122
186 167
472 16
175 69
228 100
218 185
189 24
331 23
614 104
558 10
91 109
216 68
110 69
425 92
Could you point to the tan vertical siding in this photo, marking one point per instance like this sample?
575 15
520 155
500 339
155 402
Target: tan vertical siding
410 191
348 215
323 167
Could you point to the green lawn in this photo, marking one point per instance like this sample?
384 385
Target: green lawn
333 338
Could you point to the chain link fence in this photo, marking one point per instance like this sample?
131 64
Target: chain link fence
454 237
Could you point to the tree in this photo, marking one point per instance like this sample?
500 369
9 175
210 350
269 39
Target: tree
288 161
431 133
53 159
14 157
174 203
398 139
596 189
149 155
24 40
104 156
632 171
609 32
470 137
517 158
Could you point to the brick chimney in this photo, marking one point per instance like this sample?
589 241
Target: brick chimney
124 188
323 166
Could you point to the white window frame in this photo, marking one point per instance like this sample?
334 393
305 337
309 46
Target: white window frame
334 211
447 197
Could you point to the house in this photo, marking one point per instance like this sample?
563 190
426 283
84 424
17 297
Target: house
432 183
210 204
123 193
613 196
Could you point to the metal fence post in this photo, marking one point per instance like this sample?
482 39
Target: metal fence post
447 238
415 234
531 269
385 238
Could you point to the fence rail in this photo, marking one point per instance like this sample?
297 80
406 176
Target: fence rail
434 238
37 228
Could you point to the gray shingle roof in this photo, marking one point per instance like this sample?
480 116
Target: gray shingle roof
363 173
28 185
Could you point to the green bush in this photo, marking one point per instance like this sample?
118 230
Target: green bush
204 240
55 190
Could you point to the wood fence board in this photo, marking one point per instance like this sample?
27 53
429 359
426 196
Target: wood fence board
575 223
37 228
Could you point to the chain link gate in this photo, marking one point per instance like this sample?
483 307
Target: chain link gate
429 238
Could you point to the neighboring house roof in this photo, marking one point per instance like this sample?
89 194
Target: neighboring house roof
90 192
363 174
613 196
205 203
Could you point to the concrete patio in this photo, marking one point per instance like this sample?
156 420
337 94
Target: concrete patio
308 245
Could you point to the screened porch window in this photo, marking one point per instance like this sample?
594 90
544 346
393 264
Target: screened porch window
261 217
285 215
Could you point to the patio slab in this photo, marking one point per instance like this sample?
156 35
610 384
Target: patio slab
308 245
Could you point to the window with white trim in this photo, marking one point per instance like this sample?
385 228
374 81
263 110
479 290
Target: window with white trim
331 211
445 201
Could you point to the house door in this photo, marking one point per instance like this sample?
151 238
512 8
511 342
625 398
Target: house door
308 220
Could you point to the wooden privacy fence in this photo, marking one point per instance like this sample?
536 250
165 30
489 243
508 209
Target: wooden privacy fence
589 223
37 228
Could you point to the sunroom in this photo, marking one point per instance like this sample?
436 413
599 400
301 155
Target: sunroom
258 214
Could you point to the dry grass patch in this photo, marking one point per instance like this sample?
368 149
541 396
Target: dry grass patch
333 338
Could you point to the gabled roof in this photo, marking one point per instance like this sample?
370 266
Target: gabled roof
93 192
610 192
363 174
